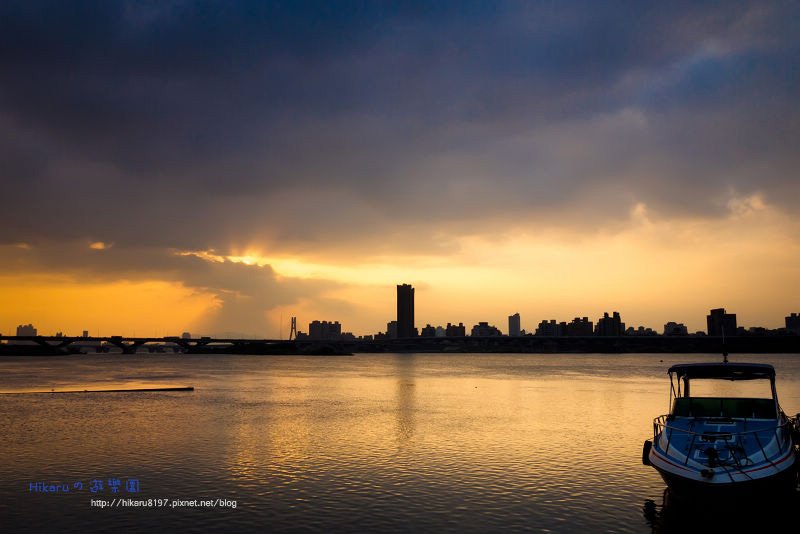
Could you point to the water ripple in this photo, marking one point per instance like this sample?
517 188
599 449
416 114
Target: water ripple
467 443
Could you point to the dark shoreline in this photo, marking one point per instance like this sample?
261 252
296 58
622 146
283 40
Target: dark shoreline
524 344
589 345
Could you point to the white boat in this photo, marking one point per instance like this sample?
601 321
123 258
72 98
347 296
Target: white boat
724 445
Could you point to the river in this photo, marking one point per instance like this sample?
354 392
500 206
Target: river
370 442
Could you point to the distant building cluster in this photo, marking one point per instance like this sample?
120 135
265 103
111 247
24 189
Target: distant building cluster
325 330
719 323
484 329
609 325
675 329
579 326
26 330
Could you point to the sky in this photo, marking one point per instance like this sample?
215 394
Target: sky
219 167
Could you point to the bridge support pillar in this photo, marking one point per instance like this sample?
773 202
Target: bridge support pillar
127 348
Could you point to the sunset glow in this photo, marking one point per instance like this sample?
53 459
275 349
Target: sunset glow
496 164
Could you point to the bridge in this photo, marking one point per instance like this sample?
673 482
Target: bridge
59 345
55 345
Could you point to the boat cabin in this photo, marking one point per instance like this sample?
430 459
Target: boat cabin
683 404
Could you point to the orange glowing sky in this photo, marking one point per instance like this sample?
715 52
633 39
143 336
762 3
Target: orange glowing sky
650 271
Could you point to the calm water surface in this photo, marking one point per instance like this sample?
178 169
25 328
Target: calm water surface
390 442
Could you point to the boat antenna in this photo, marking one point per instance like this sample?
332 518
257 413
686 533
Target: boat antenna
724 352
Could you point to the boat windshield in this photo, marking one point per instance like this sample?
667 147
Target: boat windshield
732 390
760 389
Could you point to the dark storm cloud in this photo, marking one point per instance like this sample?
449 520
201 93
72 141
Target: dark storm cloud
363 126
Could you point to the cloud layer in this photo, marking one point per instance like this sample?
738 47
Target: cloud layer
362 129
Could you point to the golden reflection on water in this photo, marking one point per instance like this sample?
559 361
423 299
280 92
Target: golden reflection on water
469 440
549 431
405 393
269 433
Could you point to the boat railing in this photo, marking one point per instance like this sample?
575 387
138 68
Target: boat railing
661 426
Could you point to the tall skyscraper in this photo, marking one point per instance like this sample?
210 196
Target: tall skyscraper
513 325
405 311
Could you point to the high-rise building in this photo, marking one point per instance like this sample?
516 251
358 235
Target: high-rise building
793 323
550 328
484 329
405 311
675 329
391 329
455 330
579 327
721 323
428 331
610 326
324 330
513 325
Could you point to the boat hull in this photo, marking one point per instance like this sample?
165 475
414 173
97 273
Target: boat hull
692 485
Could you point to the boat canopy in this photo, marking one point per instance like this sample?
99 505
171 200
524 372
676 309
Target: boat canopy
726 371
